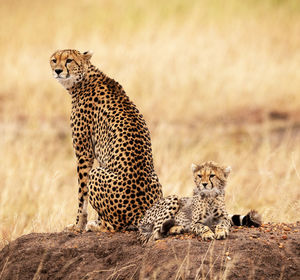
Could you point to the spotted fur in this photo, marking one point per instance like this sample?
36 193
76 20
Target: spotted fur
203 214
106 127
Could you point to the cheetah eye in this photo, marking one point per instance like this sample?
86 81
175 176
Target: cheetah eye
212 175
54 60
69 60
199 176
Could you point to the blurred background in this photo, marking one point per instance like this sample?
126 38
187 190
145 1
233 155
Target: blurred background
215 80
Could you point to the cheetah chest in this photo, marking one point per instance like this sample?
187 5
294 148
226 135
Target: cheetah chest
208 210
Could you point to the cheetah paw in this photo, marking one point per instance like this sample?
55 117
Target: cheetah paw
221 233
144 239
93 226
208 235
72 228
176 230
155 236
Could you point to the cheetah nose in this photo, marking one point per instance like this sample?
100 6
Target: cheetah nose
58 71
204 184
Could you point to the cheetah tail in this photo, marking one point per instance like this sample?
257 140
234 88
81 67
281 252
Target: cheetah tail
253 218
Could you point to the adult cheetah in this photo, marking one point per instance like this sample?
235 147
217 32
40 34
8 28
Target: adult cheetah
108 127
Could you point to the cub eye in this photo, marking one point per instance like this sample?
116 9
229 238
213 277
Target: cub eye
199 176
212 175
54 60
69 60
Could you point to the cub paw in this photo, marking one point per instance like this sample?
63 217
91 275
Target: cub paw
176 230
208 235
221 233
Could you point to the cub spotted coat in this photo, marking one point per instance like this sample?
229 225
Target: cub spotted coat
203 214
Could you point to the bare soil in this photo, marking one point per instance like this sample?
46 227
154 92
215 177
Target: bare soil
269 252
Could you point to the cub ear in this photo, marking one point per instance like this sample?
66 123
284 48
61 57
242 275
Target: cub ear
194 167
227 171
87 55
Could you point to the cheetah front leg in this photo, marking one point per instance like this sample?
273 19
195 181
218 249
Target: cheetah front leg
222 228
203 231
84 165
197 224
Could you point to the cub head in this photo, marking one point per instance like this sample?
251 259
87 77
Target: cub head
210 178
69 66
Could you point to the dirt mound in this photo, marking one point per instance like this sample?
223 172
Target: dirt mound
269 252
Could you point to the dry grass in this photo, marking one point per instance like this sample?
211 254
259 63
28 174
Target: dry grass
208 77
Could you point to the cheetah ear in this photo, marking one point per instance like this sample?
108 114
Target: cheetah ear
87 55
194 167
227 171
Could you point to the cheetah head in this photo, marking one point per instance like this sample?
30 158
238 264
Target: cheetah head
69 66
210 178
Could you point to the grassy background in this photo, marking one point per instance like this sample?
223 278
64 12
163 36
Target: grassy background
215 80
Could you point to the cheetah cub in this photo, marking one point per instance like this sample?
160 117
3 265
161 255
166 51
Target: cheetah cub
203 214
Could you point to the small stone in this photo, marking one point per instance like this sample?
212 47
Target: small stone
284 237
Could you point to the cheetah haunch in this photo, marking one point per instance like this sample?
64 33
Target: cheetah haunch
108 127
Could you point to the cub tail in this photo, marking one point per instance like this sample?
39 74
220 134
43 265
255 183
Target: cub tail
253 218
